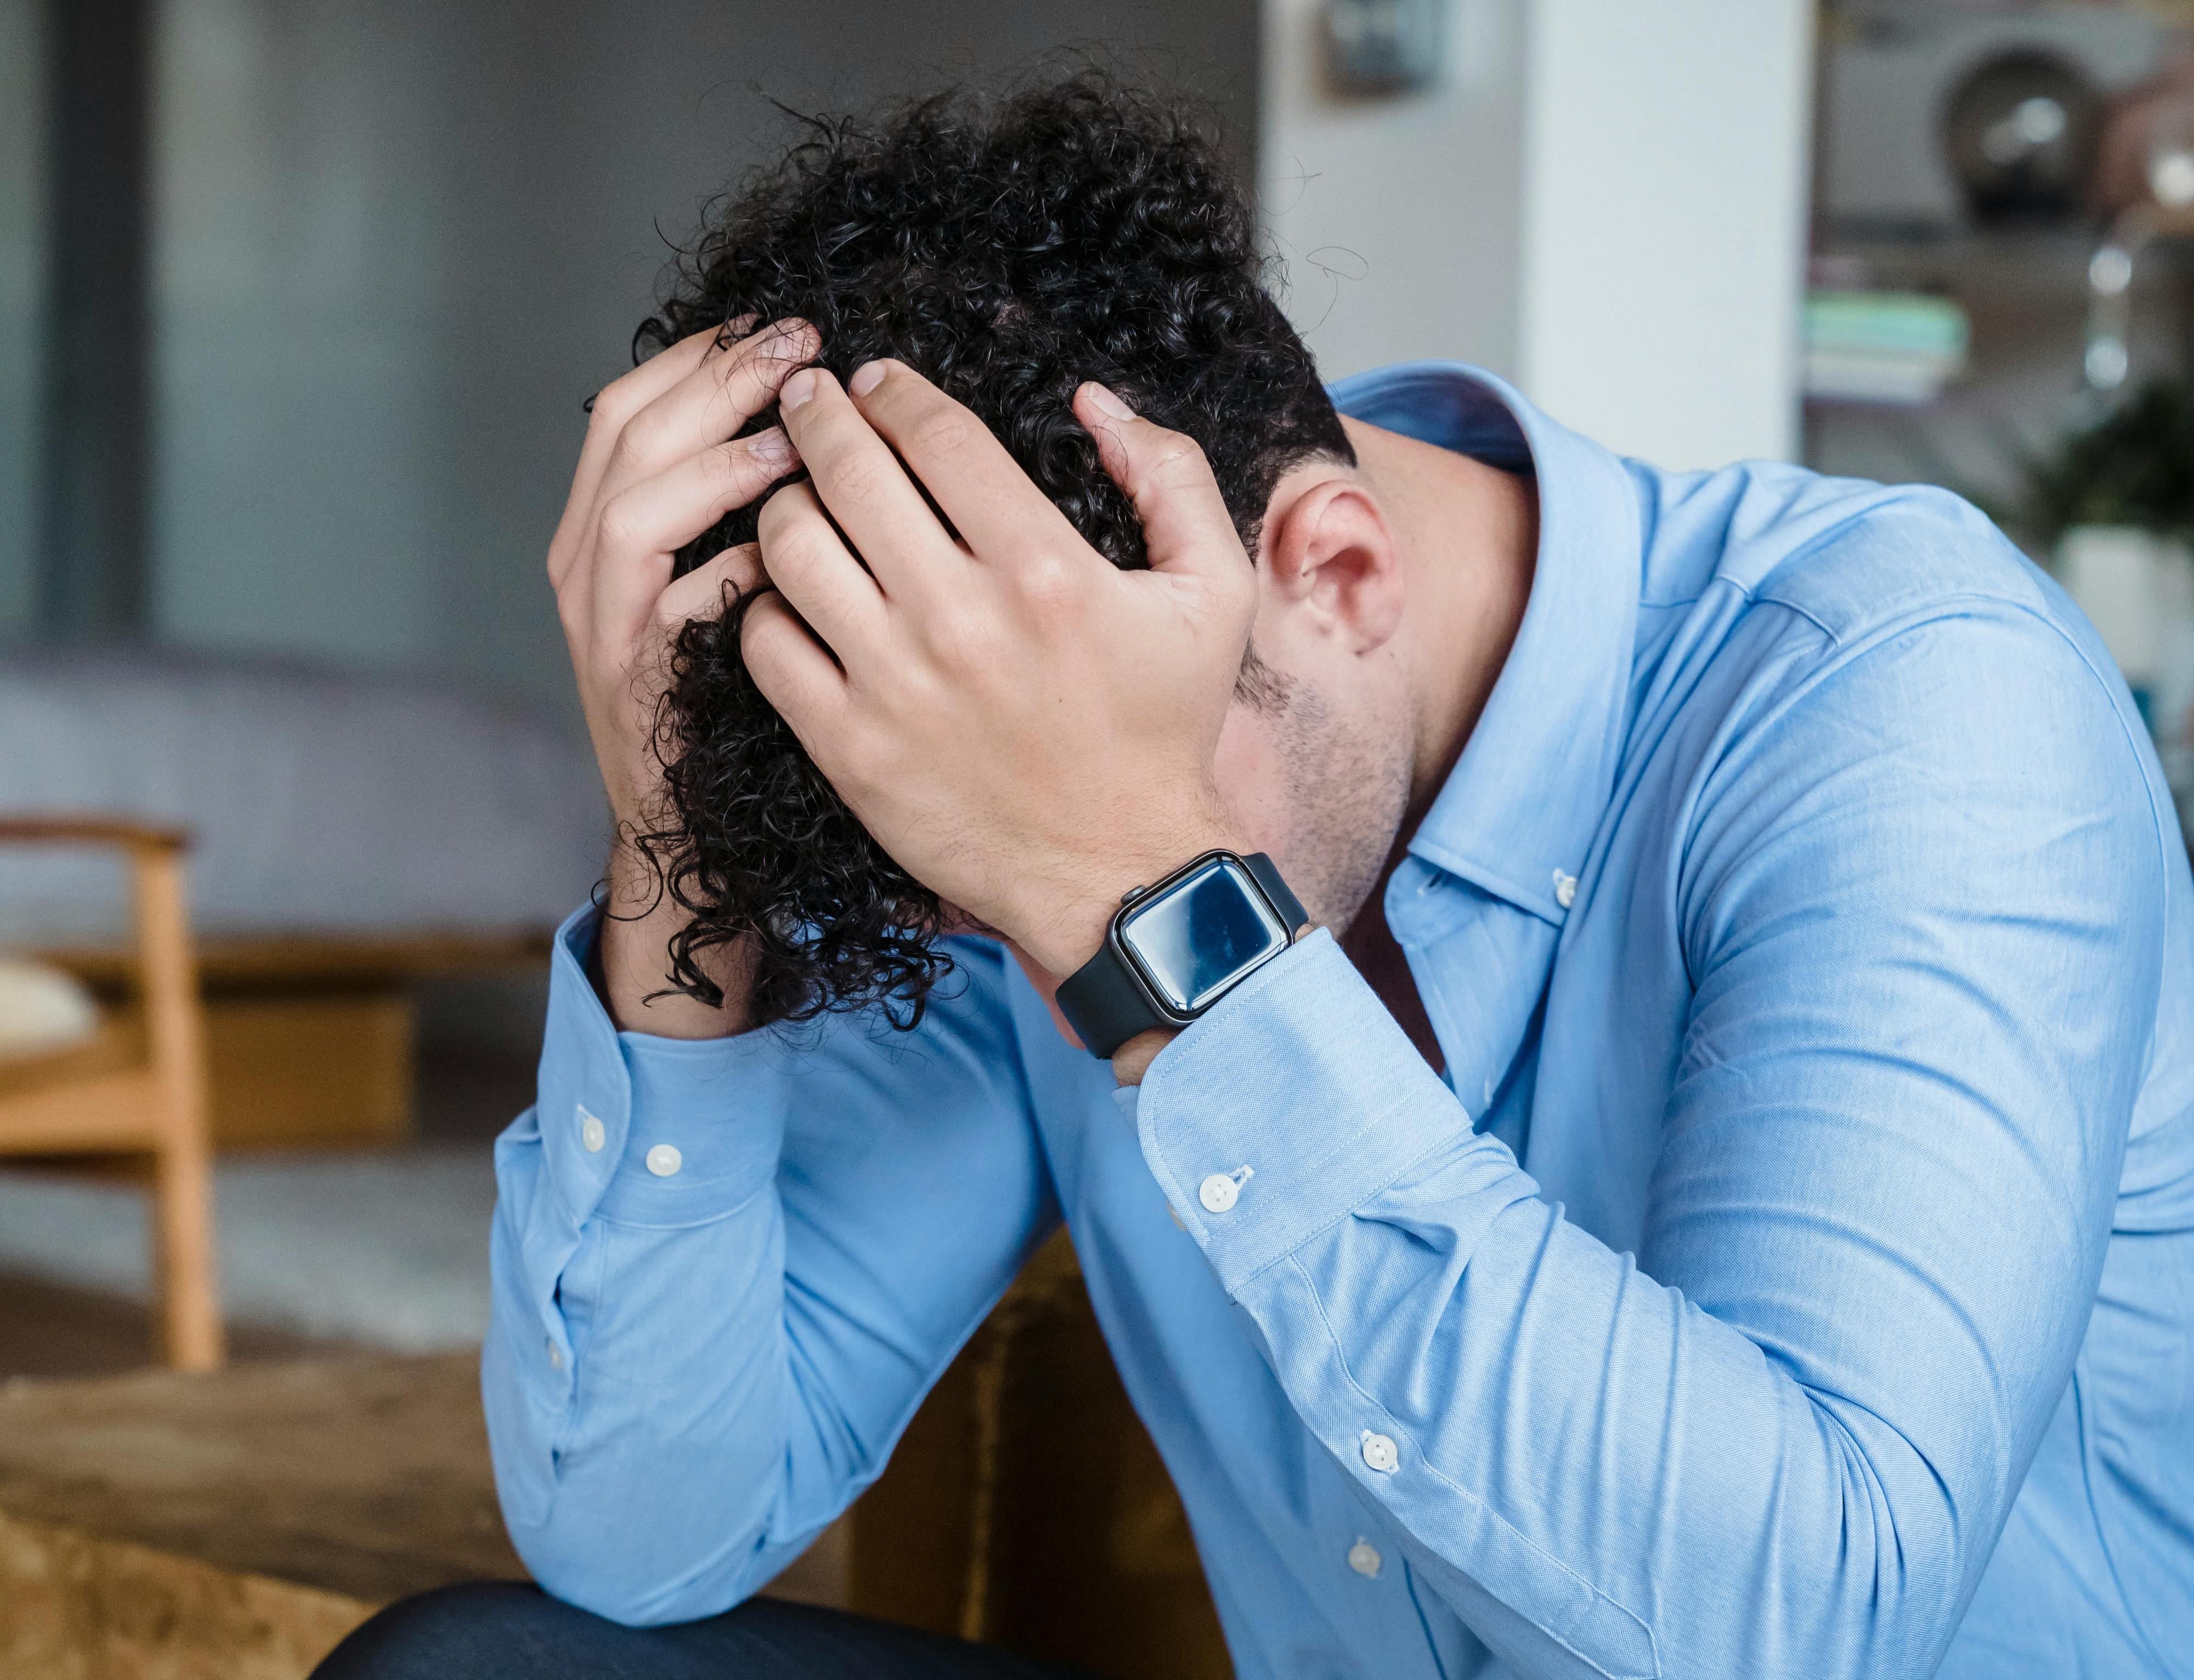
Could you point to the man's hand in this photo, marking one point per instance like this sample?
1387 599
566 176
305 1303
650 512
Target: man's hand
659 467
1028 731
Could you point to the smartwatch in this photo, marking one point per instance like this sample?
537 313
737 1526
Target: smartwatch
1175 950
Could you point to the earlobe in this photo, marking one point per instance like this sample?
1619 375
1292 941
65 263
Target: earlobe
1329 548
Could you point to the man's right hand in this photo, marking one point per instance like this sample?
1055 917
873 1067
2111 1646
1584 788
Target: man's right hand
661 464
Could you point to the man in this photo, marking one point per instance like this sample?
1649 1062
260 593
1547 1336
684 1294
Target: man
1703 1183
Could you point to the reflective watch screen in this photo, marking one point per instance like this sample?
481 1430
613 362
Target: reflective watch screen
1201 934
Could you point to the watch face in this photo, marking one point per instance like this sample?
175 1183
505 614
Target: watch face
1196 938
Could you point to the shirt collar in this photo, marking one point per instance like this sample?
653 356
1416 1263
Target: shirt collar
1519 811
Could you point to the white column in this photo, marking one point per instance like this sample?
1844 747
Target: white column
1603 200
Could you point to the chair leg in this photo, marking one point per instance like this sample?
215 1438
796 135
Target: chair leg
189 1300
183 1191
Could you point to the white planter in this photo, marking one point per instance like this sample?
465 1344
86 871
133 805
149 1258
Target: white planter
2137 588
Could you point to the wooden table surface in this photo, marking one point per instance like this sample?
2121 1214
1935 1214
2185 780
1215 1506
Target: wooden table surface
362 1475
236 1526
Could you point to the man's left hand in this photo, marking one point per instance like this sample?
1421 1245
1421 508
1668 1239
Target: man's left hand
1027 729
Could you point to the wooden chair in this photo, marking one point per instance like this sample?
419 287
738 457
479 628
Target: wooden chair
138 1088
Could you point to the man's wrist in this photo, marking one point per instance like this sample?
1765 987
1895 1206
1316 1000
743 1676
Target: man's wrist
1075 930
639 919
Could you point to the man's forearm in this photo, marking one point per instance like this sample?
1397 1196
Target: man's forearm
666 1435
634 961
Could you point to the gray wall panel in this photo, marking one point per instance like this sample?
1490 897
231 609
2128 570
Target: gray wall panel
400 242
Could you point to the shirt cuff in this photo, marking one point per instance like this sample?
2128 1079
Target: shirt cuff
1291 1104
646 1130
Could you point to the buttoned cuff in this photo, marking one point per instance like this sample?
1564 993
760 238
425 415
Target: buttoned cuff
1288 1107
645 1130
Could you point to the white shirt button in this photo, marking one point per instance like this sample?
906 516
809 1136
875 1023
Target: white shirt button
1364 1557
1380 1453
555 1353
664 1159
1218 1193
1564 889
592 1132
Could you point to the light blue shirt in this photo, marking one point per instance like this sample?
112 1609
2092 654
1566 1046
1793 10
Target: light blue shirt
1792 1275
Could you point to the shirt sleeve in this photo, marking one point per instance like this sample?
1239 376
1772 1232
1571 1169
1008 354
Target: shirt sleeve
1922 907
725 1272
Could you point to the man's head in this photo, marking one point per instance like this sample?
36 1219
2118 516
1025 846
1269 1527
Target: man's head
1011 251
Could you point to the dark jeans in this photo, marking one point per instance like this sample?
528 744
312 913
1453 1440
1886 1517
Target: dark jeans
501 1631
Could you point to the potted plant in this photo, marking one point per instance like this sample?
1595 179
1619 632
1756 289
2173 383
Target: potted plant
2113 502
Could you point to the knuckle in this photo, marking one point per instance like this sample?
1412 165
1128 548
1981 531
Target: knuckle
790 561
793 508
945 433
612 406
642 434
1050 583
758 640
775 520
1178 457
859 477
627 460
617 527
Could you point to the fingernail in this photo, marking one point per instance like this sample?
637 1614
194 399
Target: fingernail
1106 401
866 377
796 390
771 447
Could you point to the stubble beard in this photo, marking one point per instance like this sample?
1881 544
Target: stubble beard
1348 787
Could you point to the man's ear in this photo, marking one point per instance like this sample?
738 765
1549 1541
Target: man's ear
1327 547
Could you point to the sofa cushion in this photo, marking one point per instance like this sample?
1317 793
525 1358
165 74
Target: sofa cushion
42 1010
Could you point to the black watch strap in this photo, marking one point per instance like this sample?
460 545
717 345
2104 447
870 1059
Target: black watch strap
1106 1003
1289 907
1104 1000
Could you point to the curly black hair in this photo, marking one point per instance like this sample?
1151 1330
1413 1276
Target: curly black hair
1009 248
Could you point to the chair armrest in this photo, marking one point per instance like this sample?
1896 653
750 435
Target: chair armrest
91 829
165 961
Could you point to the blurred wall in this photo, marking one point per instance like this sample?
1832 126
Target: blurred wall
1399 219
398 242
1602 200
22 259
